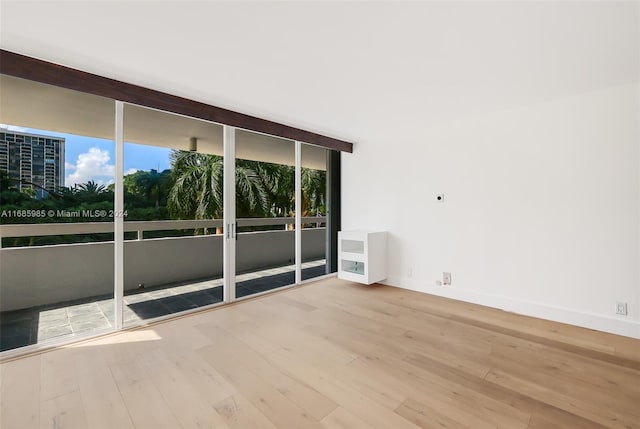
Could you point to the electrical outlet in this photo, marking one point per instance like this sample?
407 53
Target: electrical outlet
446 278
621 308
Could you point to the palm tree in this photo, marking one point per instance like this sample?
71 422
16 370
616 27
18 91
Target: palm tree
91 192
280 184
314 187
91 187
198 187
262 189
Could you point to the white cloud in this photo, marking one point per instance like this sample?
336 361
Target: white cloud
130 171
13 128
92 165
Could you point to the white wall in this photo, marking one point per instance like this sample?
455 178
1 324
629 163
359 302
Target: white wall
541 213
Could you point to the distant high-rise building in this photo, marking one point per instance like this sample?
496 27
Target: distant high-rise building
32 159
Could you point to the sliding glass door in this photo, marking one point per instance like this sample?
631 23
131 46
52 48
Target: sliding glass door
56 214
173 214
265 213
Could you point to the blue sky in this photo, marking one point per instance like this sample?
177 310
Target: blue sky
88 158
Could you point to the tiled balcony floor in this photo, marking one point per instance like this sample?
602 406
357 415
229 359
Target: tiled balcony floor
30 326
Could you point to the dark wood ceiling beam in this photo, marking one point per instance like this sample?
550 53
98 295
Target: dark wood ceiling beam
25 67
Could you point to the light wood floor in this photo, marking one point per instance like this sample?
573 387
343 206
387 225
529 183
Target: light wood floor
333 355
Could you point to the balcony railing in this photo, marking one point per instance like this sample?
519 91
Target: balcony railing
77 228
48 274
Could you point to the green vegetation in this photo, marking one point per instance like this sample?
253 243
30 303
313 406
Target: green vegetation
262 189
191 189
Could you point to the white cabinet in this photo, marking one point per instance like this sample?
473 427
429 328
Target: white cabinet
362 256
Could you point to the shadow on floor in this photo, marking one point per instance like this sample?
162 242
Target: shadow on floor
186 301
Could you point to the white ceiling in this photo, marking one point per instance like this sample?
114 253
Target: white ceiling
349 70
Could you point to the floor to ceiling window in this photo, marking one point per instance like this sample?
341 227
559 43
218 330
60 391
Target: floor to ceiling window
56 207
265 217
173 214
114 214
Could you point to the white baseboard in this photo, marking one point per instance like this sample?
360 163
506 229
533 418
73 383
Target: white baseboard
627 328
